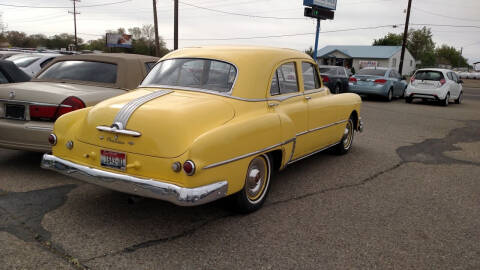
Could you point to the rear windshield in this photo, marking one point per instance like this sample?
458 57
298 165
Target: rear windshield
81 71
428 75
372 72
204 74
331 71
25 61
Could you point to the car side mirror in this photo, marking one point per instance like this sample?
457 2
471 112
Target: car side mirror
460 81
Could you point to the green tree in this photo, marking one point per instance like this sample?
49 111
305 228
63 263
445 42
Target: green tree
390 39
309 51
421 46
62 41
450 56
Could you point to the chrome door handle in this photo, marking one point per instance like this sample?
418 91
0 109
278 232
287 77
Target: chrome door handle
308 97
272 104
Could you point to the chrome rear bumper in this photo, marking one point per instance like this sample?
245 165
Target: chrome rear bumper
138 186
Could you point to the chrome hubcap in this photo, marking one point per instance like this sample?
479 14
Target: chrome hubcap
257 177
348 135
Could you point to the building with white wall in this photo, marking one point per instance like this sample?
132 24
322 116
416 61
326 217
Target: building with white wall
366 56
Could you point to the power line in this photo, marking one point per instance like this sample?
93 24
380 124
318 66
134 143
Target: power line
446 25
241 14
445 16
86 6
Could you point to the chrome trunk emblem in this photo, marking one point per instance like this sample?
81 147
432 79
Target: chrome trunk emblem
11 95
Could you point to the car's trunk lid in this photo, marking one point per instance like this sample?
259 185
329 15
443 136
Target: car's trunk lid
168 124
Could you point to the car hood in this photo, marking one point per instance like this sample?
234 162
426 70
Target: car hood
168 124
56 92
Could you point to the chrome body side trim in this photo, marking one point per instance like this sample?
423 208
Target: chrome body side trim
144 187
114 129
213 165
312 153
319 128
127 110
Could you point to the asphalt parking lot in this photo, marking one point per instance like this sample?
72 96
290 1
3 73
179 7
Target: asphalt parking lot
406 196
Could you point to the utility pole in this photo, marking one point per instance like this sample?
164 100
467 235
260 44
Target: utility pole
157 41
175 25
75 21
405 36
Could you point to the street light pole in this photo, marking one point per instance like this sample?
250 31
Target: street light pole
75 13
405 36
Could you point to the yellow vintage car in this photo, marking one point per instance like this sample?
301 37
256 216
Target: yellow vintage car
207 123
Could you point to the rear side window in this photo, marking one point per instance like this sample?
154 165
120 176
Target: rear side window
44 63
149 66
372 72
284 80
81 71
449 75
310 76
429 75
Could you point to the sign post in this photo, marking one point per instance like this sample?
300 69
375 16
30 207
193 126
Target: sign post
320 10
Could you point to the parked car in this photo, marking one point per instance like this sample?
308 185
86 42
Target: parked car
32 63
441 85
207 123
6 54
28 110
385 82
335 78
10 73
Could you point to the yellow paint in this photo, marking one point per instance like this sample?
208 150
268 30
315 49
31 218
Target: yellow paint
208 128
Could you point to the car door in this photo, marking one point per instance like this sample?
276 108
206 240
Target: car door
457 81
323 121
395 82
286 99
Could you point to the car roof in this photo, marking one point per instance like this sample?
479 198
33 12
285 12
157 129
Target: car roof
255 64
380 68
130 67
435 69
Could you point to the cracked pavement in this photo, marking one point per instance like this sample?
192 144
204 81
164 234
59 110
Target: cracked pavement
406 196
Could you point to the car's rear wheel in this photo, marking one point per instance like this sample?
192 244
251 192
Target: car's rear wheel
346 142
390 95
446 100
257 183
459 99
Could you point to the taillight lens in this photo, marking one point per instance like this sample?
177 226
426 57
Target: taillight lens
380 81
325 78
352 79
68 105
189 167
51 113
52 139
443 81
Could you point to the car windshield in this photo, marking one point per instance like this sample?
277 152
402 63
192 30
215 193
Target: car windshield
197 73
24 61
81 71
326 70
428 75
372 72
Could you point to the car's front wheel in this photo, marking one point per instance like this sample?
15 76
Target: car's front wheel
257 183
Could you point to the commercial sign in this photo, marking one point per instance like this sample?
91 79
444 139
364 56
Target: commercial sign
119 40
364 64
328 4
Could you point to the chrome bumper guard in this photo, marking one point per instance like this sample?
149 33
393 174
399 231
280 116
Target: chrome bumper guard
137 186
360 125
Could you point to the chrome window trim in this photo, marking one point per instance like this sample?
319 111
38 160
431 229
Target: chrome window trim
204 58
24 102
314 91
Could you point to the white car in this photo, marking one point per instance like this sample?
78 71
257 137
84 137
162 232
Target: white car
441 85
32 63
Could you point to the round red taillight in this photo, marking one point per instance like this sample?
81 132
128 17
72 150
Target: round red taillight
189 167
68 105
52 139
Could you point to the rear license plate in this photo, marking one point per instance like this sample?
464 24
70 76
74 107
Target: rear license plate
14 111
113 160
